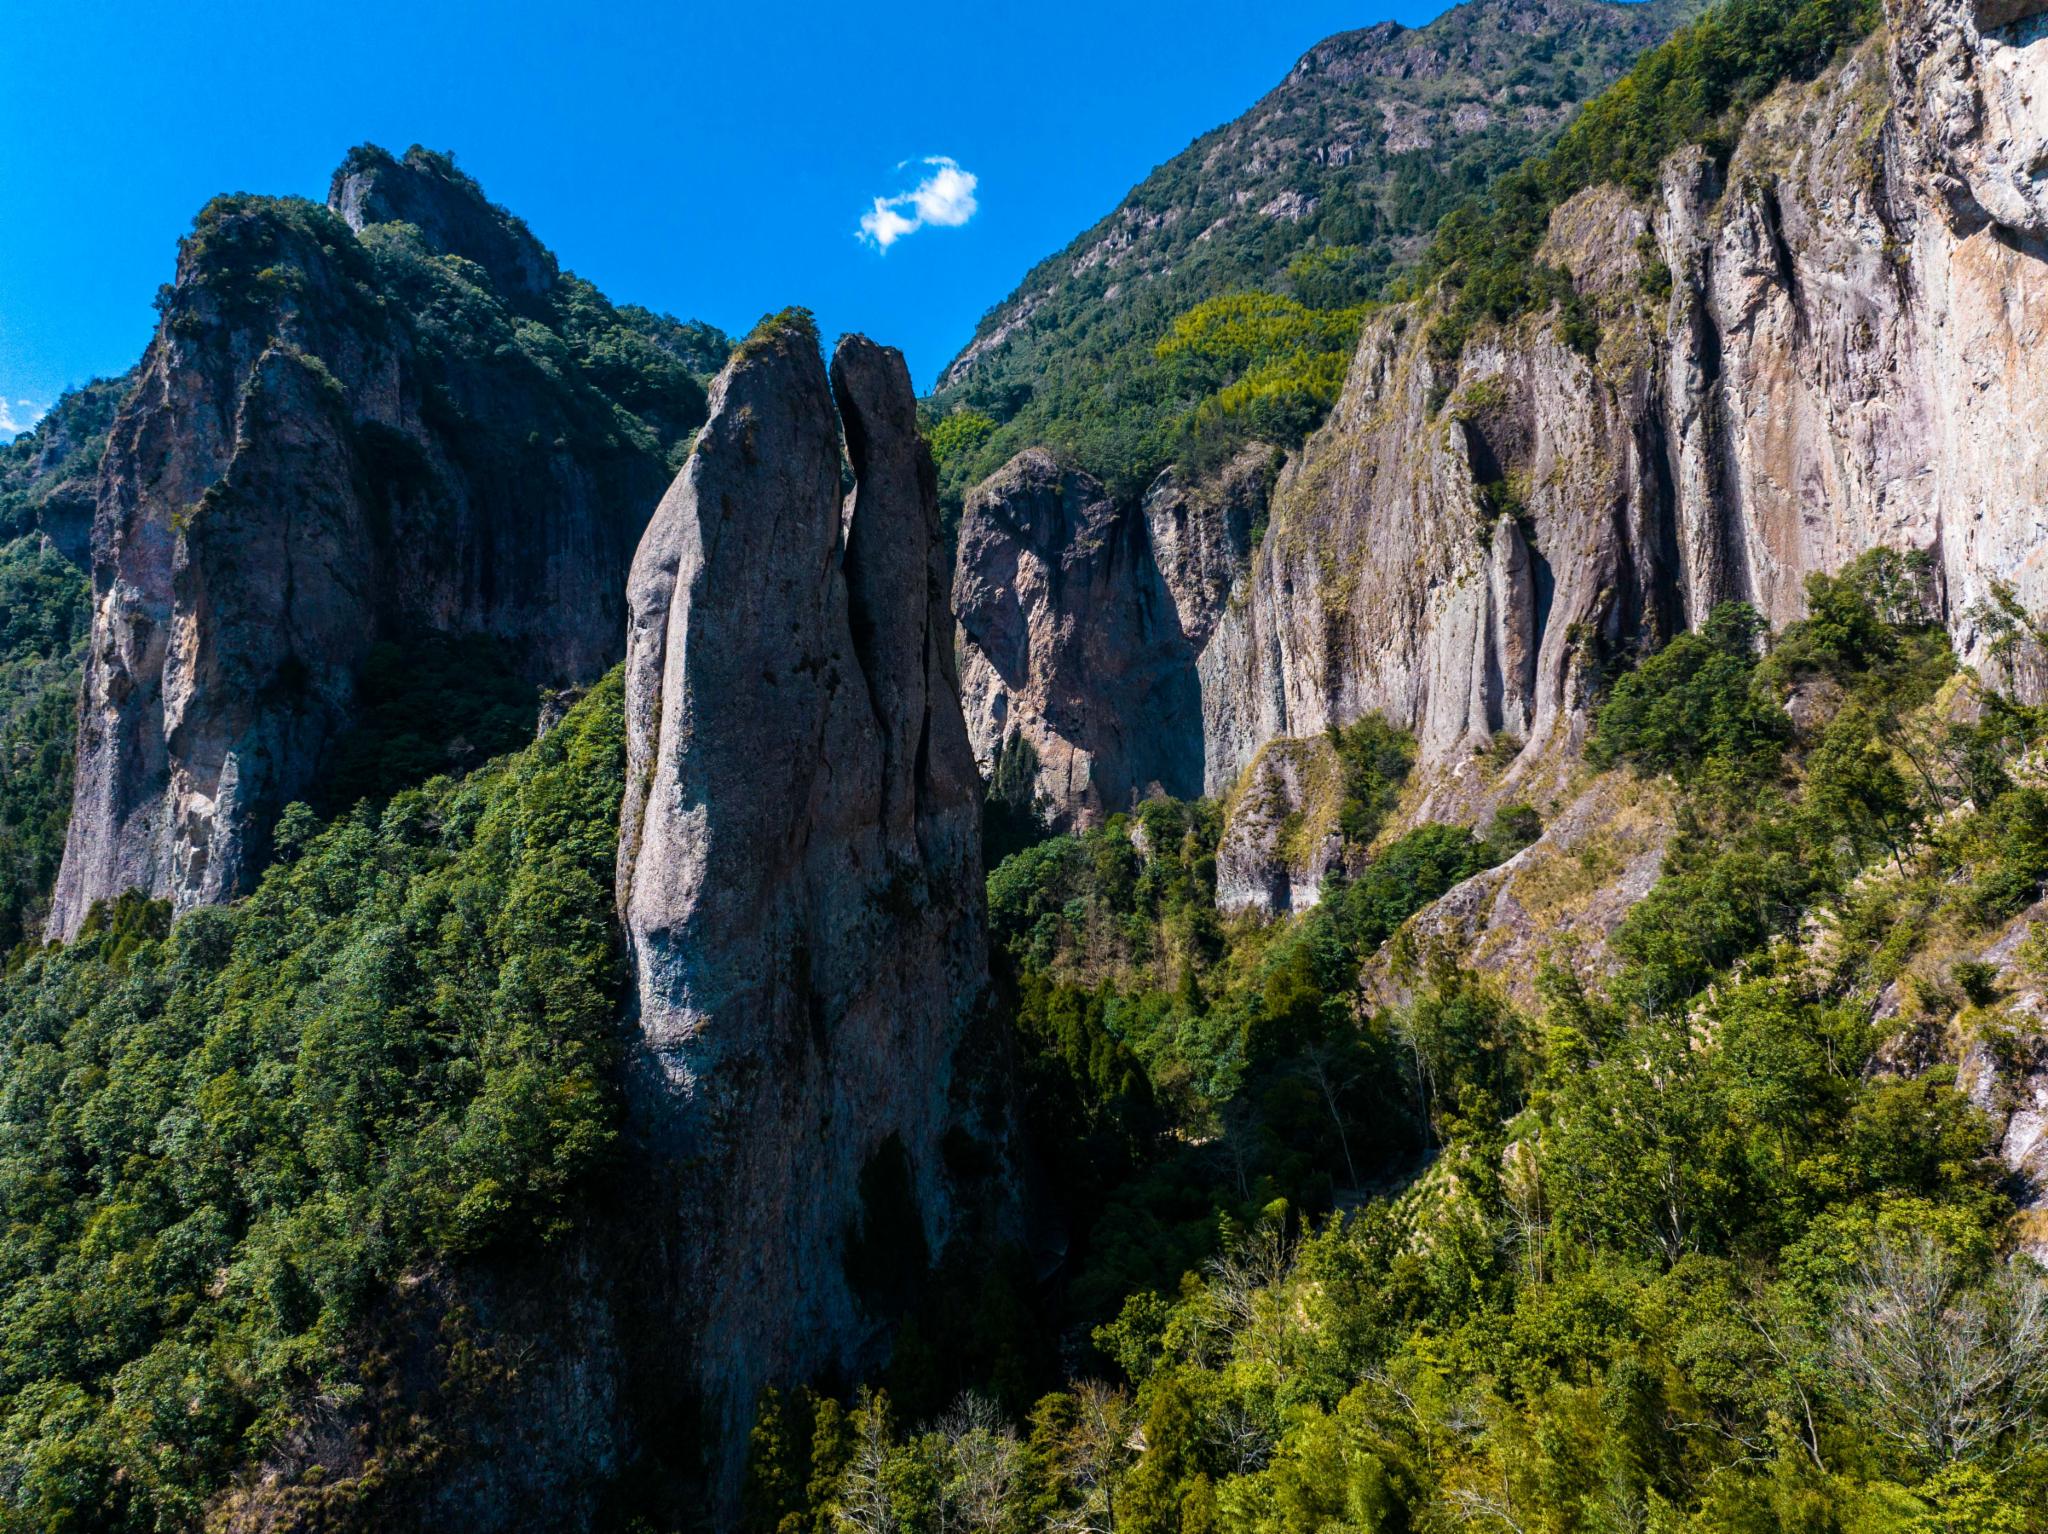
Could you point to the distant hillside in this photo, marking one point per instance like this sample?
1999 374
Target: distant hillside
1322 190
46 500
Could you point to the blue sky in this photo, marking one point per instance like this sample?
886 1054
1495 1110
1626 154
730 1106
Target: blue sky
712 160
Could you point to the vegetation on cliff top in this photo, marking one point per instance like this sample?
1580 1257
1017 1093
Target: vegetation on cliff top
1697 88
1319 193
1092 358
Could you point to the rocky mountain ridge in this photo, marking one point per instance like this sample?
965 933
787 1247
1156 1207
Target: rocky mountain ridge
388 417
1841 360
1324 188
799 870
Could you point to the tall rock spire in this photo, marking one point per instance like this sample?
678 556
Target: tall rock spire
799 871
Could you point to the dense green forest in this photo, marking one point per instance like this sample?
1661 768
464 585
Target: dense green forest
45 616
223 1143
1675 1249
1703 1238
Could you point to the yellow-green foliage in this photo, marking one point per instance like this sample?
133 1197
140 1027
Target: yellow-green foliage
1246 330
958 434
1305 816
1260 365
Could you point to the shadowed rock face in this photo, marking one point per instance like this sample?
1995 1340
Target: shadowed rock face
1070 637
799 870
336 437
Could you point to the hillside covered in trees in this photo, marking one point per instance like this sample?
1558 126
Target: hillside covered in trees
1315 198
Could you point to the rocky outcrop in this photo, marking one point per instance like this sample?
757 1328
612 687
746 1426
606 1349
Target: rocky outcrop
1846 355
1556 901
1070 637
343 432
372 187
2004 1069
799 869
48 474
1280 832
1847 358
1202 534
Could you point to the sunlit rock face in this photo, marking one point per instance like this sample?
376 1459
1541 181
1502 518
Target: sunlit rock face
1848 354
305 466
800 869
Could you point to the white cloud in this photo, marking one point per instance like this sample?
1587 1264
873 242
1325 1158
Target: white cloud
943 200
18 417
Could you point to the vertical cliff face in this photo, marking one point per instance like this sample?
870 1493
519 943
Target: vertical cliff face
799 868
375 420
1071 638
1847 356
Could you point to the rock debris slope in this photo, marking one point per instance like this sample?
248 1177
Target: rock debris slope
800 871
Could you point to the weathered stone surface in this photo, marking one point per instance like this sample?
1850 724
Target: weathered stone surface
1069 637
301 471
1280 834
2004 1071
1558 900
1848 356
373 187
50 473
1202 534
800 863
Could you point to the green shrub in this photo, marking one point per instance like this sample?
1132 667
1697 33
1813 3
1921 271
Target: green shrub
958 435
1694 708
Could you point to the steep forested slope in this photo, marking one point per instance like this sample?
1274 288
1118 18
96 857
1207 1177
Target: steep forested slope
1717 1207
224 1143
46 500
1704 1239
1319 193
1708 1204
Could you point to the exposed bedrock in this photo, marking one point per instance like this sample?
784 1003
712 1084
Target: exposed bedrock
800 871
315 457
1848 354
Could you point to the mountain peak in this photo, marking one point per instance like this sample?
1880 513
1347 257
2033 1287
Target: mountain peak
448 207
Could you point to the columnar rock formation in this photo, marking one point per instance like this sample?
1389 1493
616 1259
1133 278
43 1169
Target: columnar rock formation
1848 357
1848 354
799 868
354 423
